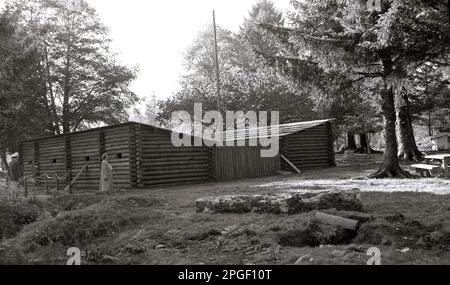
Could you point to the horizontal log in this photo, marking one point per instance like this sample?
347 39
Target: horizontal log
174 172
83 137
88 148
175 149
312 146
116 132
118 148
146 134
84 153
174 181
320 134
45 143
119 161
309 162
121 165
170 164
118 137
50 168
117 129
282 203
50 148
337 221
179 166
172 155
311 157
121 175
175 176
175 161
92 163
80 141
59 154
306 150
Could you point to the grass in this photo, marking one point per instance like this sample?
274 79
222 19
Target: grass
161 226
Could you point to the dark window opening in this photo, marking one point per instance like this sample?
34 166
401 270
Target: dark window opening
87 158
119 156
30 162
54 160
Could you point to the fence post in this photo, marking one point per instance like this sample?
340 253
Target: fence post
70 181
57 185
8 189
25 187
46 184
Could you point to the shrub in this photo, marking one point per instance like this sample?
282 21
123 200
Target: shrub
13 217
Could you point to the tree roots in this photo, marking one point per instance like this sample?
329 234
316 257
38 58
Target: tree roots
395 172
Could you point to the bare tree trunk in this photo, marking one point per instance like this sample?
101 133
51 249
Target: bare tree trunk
430 125
67 88
407 145
3 160
365 145
351 141
391 167
53 115
363 140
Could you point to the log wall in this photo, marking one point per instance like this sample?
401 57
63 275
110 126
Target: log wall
231 163
117 145
58 155
165 164
309 149
84 149
144 157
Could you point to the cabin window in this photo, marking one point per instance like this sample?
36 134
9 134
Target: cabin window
30 162
87 158
54 160
119 156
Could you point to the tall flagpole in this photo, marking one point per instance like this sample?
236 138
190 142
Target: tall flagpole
216 62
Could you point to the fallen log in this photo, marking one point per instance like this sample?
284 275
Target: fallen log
345 223
285 203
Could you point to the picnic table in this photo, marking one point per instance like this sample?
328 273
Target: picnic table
444 160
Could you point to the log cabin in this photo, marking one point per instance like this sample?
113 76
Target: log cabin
143 156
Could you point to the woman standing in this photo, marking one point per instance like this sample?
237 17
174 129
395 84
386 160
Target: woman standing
106 175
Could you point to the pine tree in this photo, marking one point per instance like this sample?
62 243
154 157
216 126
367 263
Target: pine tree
347 37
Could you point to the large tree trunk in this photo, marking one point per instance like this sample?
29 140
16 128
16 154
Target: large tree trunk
390 167
53 115
351 141
407 144
363 142
430 125
365 145
363 148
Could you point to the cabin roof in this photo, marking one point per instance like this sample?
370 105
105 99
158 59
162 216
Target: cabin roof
241 134
272 131
96 130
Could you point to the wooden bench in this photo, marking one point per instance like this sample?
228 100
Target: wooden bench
426 170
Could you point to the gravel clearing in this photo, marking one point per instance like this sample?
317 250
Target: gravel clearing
436 186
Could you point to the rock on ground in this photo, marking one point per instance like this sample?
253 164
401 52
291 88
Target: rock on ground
286 203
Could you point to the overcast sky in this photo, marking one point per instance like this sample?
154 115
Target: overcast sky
154 34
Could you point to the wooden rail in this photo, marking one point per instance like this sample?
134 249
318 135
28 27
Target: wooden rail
291 164
69 185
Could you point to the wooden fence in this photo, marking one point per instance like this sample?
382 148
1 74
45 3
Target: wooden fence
230 163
